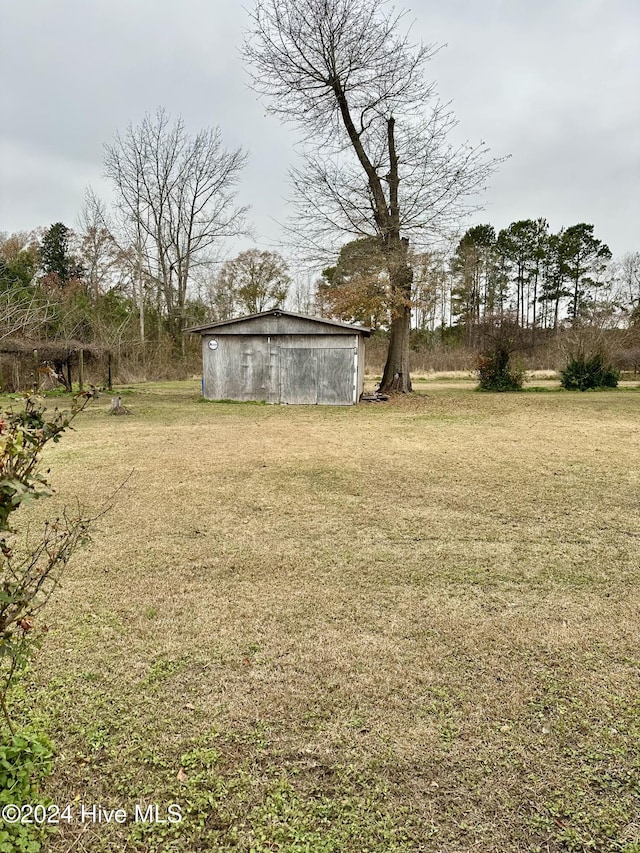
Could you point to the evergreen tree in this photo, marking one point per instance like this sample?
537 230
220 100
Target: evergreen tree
357 288
476 292
554 287
585 259
55 255
522 245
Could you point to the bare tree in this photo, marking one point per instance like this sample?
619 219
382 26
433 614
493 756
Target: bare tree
24 308
23 312
214 295
432 290
177 195
629 281
302 296
97 248
112 257
377 160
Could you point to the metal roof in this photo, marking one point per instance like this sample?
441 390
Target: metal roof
279 312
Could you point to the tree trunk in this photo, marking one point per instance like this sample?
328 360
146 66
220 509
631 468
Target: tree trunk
116 407
396 376
69 382
36 371
576 286
141 313
535 305
396 370
81 370
174 327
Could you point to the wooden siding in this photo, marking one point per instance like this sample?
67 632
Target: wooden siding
291 368
241 368
360 367
270 324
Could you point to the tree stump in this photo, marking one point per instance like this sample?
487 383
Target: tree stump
117 408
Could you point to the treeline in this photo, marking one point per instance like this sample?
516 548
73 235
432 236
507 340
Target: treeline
87 285
62 284
130 279
542 279
539 282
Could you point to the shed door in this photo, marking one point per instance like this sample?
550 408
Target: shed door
336 376
240 367
298 375
324 376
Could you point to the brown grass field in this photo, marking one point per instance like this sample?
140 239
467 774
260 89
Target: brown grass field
409 626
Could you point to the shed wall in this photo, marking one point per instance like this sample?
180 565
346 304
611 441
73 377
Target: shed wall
360 370
284 324
291 368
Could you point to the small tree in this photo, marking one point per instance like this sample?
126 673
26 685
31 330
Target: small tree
28 576
590 348
496 371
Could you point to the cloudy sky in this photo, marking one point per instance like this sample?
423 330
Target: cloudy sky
553 83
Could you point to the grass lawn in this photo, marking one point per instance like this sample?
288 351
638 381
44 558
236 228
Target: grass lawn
409 626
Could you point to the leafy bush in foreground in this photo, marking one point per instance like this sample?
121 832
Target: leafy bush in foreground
25 759
29 572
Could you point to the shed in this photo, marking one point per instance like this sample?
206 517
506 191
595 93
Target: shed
281 357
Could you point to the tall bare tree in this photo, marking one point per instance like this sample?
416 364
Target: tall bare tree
302 296
377 157
177 193
432 290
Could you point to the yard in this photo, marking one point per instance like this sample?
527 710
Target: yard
403 626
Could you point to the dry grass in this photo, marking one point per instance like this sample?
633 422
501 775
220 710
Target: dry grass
410 626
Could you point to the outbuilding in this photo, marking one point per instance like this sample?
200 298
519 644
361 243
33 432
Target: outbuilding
281 357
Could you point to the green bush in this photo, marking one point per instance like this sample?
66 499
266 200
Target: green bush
29 573
25 759
582 373
496 373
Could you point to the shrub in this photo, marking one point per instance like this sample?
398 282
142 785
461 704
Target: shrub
29 571
496 373
25 759
582 373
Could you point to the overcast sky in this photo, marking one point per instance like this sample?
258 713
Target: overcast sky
555 84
